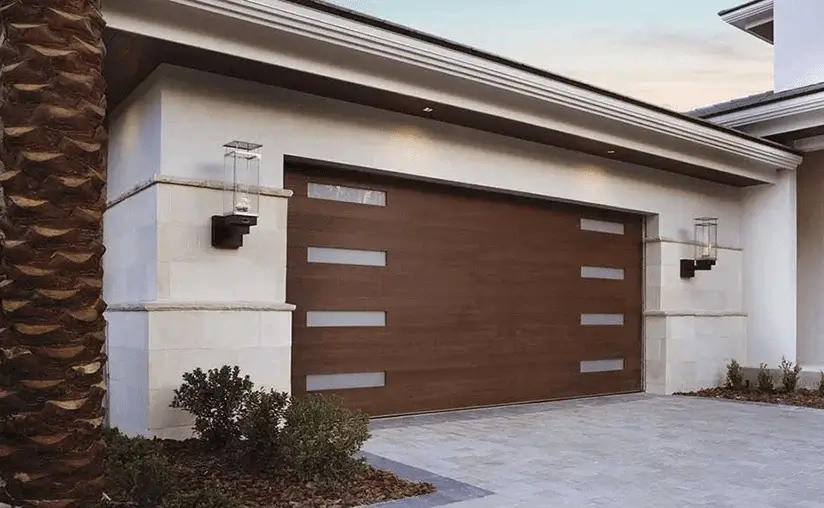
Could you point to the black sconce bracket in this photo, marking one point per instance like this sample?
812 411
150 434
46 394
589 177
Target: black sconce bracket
690 266
228 230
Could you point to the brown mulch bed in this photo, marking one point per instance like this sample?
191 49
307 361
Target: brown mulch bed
805 398
201 469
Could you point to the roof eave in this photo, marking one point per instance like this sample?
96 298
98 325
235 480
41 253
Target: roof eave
383 43
750 16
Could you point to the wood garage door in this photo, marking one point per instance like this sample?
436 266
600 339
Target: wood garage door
415 296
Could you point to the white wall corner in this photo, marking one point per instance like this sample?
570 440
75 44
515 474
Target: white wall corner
127 372
769 226
130 261
136 138
146 87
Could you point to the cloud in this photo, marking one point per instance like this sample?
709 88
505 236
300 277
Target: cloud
717 46
669 63
670 68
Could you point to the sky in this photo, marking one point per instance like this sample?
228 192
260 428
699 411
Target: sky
674 53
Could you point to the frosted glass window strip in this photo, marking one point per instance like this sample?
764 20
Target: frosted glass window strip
602 226
600 272
346 194
346 256
327 319
602 319
321 382
602 365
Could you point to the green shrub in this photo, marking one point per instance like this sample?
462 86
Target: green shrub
789 374
261 426
209 498
136 471
765 380
217 400
320 439
735 377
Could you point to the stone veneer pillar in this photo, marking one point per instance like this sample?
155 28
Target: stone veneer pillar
196 306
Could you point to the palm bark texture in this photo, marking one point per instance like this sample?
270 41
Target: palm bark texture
53 178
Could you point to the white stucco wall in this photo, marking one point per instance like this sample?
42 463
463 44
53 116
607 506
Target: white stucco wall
798 60
770 276
692 327
136 134
130 262
302 125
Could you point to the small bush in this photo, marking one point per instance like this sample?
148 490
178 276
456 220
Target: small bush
735 377
821 385
136 471
261 426
217 400
789 374
321 437
209 498
765 380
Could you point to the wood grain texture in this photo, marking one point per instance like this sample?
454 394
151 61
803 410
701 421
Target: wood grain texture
483 295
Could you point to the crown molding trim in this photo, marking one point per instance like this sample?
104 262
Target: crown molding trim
772 111
287 17
750 16
777 117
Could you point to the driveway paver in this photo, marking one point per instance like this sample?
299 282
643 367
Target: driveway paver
633 451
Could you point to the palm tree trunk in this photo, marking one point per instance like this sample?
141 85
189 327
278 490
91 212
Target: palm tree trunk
52 329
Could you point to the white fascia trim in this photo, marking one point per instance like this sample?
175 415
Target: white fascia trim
812 144
750 16
775 117
306 22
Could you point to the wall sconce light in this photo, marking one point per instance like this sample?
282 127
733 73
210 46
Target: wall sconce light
706 247
241 164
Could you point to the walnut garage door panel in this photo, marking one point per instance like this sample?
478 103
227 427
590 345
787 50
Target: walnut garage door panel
414 296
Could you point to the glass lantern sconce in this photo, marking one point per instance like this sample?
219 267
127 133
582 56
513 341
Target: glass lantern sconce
706 247
241 164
